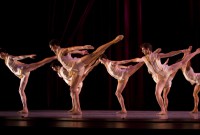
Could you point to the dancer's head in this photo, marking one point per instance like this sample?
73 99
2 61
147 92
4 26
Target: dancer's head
3 53
55 65
54 44
146 48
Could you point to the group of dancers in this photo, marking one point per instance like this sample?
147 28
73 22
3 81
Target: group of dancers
73 70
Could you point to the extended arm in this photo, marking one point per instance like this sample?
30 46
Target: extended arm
23 57
170 54
82 52
75 48
122 61
137 60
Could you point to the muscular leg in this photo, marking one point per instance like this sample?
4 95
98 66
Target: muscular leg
75 83
76 109
165 94
196 98
86 72
89 68
120 87
133 69
87 59
159 88
22 87
122 84
72 98
178 65
167 89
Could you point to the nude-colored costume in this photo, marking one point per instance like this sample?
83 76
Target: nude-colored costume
67 77
191 76
115 71
71 64
15 66
155 67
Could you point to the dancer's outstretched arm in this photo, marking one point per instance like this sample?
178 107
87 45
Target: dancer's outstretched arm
22 56
74 48
82 52
158 50
172 53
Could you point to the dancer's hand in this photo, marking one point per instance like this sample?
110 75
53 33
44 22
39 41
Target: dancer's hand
32 56
187 50
198 50
88 47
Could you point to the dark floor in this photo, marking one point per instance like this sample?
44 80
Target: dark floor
99 121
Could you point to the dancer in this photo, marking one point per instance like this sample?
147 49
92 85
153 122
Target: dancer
121 72
194 79
77 65
67 77
22 71
161 72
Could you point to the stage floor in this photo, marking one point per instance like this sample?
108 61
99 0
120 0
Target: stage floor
140 121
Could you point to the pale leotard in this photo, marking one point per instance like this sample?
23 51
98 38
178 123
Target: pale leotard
70 63
16 67
67 77
191 76
115 71
155 67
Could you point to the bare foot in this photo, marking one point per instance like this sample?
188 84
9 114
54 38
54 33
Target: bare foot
71 110
76 112
23 112
119 38
163 117
194 111
121 112
162 113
